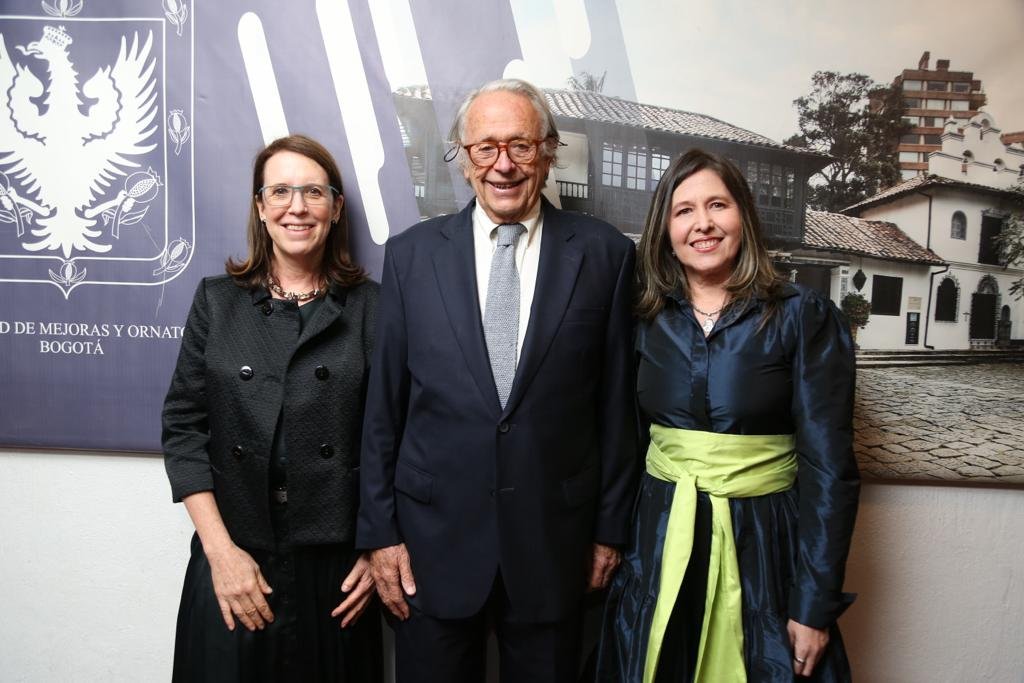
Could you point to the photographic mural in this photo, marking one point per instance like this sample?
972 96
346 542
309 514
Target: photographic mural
127 131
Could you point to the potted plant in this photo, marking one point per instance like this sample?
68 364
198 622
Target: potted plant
857 309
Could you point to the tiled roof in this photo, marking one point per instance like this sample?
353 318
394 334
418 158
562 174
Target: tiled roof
919 183
878 239
592 106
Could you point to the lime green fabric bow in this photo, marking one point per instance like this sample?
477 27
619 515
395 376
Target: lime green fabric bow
724 466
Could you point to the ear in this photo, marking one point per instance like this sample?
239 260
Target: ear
339 204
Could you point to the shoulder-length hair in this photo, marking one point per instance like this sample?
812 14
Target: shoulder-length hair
337 266
659 271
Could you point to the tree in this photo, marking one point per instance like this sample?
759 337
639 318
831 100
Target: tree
858 123
1011 239
587 82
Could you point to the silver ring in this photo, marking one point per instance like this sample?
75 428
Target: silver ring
798 660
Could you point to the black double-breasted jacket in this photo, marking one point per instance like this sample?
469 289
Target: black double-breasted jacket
243 366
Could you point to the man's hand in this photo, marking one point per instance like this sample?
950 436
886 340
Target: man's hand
392 573
808 646
604 560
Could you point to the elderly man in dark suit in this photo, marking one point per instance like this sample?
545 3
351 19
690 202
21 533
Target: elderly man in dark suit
498 456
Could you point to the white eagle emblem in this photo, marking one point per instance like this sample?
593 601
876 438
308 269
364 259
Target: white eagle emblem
67 151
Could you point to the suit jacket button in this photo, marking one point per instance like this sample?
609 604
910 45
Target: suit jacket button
267 308
504 427
245 373
326 451
238 452
322 372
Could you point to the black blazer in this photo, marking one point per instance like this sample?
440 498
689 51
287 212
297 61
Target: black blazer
241 360
469 487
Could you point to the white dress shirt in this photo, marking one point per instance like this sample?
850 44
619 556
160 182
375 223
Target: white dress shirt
485 239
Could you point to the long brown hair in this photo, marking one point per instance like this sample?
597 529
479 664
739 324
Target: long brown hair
337 266
658 269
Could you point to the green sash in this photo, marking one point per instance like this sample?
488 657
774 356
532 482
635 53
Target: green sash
724 466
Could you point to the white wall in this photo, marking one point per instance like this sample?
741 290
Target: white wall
92 554
940 573
890 331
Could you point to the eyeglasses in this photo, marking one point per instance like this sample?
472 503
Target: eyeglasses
281 195
519 150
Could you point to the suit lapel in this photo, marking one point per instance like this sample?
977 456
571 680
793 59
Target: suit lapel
559 266
455 269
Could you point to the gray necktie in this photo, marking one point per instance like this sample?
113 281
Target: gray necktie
501 312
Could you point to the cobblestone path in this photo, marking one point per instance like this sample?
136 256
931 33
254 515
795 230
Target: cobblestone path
941 423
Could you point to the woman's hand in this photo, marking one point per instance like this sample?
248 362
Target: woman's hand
808 646
360 588
240 588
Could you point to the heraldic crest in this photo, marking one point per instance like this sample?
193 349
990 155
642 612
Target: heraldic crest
86 162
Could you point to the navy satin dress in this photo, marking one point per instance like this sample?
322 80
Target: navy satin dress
795 376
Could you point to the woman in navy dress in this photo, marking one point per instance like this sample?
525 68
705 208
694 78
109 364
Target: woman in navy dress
743 522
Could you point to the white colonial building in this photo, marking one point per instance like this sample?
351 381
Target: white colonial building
842 254
954 211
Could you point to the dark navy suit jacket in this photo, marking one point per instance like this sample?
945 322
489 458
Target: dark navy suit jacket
471 488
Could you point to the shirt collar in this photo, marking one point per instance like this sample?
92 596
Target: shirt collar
484 227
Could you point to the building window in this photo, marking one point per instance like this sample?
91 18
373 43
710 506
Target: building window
910 157
988 248
962 86
886 293
945 301
933 139
911 139
772 185
912 120
912 102
636 169
938 86
935 104
659 164
611 165
968 156
960 105
958 226
998 165
911 85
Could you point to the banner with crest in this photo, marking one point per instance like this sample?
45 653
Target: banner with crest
97 176
128 130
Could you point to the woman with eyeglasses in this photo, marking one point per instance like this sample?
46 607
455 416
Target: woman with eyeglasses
261 430
743 522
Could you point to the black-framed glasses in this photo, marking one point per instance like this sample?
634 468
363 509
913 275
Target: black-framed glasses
312 194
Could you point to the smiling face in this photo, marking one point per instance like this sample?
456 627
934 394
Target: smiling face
298 230
705 228
506 191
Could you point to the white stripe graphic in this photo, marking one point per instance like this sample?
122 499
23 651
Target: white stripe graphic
574 26
356 107
262 81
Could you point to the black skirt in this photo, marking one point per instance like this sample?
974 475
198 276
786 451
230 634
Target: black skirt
304 643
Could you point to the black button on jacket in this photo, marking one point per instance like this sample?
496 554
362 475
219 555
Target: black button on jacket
213 412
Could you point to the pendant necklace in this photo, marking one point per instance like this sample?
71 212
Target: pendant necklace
709 319
292 296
